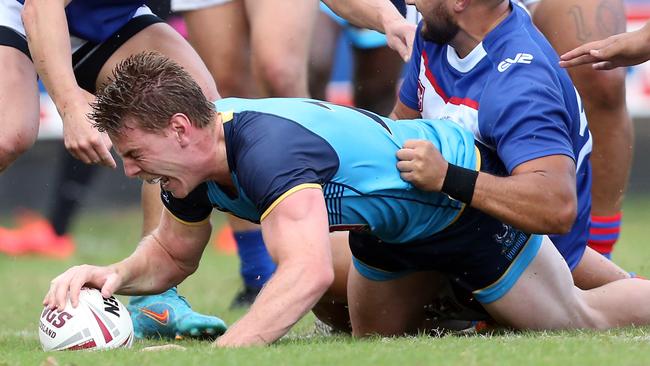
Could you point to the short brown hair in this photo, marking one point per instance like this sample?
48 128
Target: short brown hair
149 88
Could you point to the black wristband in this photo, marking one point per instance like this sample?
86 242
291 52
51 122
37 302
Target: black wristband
459 183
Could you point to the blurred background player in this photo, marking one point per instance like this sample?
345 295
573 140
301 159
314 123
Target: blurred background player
376 67
568 24
94 37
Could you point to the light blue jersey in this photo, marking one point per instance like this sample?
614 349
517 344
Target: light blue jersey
348 152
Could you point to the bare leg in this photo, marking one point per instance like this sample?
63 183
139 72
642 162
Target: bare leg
280 35
389 308
221 37
594 270
321 55
19 95
377 71
544 297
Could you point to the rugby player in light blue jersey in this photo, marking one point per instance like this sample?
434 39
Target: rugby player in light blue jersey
303 168
74 45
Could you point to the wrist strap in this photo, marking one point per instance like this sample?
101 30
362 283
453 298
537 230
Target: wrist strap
459 183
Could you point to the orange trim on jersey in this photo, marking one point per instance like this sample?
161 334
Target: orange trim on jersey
287 194
188 223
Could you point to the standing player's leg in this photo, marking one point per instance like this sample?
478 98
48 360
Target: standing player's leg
18 100
376 72
322 54
280 35
181 319
20 116
603 96
219 33
218 30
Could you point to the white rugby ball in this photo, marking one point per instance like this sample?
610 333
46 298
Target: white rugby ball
96 323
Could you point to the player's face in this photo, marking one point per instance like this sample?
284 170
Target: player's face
155 158
439 23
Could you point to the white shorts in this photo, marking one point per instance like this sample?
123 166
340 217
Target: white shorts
185 5
10 17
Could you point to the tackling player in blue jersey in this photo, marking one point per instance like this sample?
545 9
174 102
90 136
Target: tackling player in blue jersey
302 168
483 65
74 45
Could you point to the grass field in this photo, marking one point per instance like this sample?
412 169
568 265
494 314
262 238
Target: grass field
108 236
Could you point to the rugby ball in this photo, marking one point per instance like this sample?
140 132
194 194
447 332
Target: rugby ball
96 323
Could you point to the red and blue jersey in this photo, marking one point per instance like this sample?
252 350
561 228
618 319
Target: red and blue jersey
97 20
520 105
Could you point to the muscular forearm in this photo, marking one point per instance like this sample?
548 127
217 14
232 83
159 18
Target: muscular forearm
150 269
287 297
49 44
373 14
532 202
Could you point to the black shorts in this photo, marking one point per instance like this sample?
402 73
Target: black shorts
477 253
89 59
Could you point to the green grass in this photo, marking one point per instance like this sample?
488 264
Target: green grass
109 236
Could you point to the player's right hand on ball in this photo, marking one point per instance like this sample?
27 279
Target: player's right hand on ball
71 281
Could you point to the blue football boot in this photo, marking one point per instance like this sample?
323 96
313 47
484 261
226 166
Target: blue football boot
169 315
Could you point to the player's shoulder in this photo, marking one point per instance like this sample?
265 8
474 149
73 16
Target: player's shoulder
517 49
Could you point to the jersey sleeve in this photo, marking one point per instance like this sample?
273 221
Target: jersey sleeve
523 113
193 209
275 157
408 93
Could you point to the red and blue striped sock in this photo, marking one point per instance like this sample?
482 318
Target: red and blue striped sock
604 233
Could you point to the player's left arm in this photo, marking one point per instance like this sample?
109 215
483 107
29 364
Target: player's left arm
297 236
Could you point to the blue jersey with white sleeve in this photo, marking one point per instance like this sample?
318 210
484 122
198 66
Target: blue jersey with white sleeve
96 20
511 93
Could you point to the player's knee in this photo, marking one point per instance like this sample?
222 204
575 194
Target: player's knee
284 79
14 145
584 315
230 85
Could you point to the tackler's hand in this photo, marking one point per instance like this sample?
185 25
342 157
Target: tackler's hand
421 164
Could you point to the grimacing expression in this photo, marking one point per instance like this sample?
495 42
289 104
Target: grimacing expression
439 24
152 158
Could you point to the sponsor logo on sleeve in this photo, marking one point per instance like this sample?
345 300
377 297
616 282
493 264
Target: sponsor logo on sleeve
520 58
